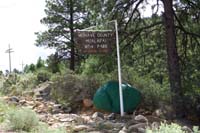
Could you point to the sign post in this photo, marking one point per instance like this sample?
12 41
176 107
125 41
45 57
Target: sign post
100 41
119 71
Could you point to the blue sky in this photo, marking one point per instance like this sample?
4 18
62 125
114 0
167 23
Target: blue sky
20 19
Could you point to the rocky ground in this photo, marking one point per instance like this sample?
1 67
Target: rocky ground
88 119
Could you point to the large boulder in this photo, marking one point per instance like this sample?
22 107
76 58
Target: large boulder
107 97
43 90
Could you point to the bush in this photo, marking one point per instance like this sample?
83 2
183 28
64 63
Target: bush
16 84
43 76
27 82
22 119
171 128
152 92
165 128
98 64
196 129
3 108
10 81
71 89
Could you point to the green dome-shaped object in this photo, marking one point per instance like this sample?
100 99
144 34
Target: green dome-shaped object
107 97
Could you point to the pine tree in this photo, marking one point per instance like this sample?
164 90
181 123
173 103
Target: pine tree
63 17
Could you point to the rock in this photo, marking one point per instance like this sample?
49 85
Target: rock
123 130
141 130
14 99
141 119
67 109
124 118
155 125
65 120
132 122
118 125
111 131
95 132
60 125
80 128
37 104
57 106
112 116
30 107
158 113
22 102
152 119
39 99
68 118
43 90
30 103
42 108
186 129
79 120
43 118
98 115
50 123
56 111
87 119
87 103
108 125
137 127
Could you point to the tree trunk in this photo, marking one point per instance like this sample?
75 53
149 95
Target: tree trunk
72 53
173 59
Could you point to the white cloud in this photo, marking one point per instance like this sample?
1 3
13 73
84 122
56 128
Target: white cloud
20 19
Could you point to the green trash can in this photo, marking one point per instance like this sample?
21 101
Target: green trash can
107 97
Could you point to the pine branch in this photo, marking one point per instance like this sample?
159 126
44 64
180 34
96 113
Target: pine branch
181 27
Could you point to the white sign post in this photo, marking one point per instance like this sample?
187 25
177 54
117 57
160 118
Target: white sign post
119 71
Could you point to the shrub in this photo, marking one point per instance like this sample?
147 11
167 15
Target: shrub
43 76
27 81
22 119
3 108
16 84
9 82
196 129
71 89
97 64
153 93
166 128
171 128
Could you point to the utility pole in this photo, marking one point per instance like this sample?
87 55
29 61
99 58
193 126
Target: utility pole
22 66
9 51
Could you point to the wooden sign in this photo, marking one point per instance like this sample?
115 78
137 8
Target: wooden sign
93 42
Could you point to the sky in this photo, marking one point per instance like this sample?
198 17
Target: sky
19 20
